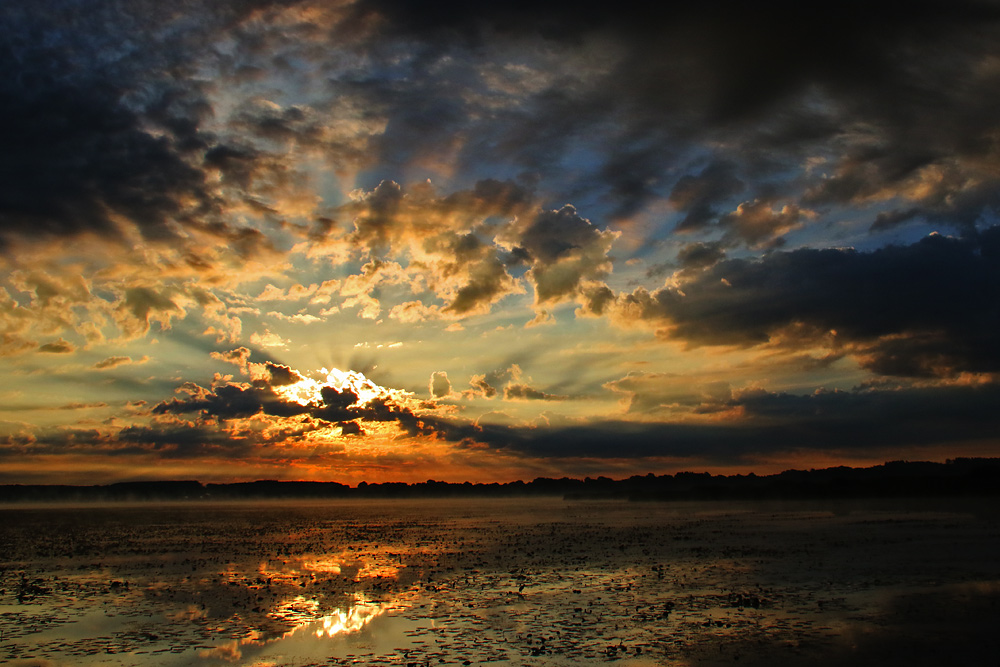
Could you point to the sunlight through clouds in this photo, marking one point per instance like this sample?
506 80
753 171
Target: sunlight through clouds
682 240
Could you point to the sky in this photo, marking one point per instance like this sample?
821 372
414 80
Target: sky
388 240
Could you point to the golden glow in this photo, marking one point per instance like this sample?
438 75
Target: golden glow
353 619
359 384
304 614
308 391
377 565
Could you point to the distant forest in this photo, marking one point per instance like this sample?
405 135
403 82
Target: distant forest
957 477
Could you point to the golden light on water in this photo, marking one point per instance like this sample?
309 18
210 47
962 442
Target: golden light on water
378 565
346 621
304 614
307 621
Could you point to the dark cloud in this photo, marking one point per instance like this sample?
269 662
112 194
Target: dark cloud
865 420
523 392
594 298
565 251
889 219
700 255
350 428
337 405
929 308
480 387
163 440
634 175
439 385
697 196
491 197
141 304
102 116
60 346
75 154
487 278
182 441
651 393
882 92
113 362
757 222
448 241
378 226
487 385
105 111
231 401
282 375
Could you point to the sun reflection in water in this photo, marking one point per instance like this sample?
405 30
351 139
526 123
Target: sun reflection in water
305 616
350 620
308 622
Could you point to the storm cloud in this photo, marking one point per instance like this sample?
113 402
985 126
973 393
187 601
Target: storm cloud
865 421
930 308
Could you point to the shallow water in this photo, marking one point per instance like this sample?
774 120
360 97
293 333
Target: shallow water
519 582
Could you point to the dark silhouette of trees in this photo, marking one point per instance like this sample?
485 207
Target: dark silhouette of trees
894 479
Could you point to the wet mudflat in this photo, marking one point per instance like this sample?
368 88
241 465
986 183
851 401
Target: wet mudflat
505 582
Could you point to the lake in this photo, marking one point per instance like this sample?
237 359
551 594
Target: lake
501 581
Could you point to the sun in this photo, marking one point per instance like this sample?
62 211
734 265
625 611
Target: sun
356 382
308 391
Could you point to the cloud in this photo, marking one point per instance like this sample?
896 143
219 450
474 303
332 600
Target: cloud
480 388
563 251
240 356
13 344
443 238
462 247
922 309
697 195
276 375
660 394
230 401
61 346
700 255
162 165
297 318
756 222
486 385
280 403
141 305
414 311
860 420
77 126
268 339
879 100
523 392
184 441
440 385
531 86
115 362
56 303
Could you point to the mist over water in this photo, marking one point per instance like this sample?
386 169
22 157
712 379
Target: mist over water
501 581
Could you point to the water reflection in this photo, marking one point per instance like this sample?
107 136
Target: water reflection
550 584
312 628
351 620
306 614
355 566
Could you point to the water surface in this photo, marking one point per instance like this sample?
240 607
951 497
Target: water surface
527 581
